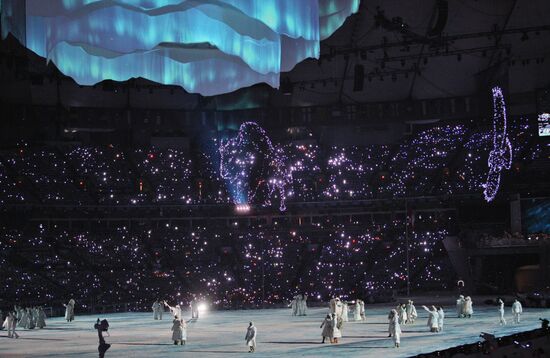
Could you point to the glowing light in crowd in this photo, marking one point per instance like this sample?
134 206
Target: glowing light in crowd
500 157
254 167
207 47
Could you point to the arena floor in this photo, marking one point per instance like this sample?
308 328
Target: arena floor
221 333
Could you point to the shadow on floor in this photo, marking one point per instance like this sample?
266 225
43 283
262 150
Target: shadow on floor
143 344
293 342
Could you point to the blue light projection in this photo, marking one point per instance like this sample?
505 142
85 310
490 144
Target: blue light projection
254 169
500 157
207 46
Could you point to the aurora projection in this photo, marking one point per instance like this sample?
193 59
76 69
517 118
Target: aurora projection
208 47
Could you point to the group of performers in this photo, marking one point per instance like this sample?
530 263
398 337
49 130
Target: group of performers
332 326
464 307
26 318
299 305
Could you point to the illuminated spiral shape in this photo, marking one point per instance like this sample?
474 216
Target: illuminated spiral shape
208 46
500 157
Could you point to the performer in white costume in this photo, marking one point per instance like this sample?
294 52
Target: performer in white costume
40 318
302 305
502 320
327 328
294 305
433 318
357 310
69 310
157 310
440 318
411 312
194 309
362 310
468 309
250 338
394 329
517 310
339 307
24 318
10 324
460 306
176 311
178 331
345 312
402 312
337 326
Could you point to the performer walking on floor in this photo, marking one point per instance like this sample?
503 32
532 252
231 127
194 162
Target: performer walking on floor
394 328
250 337
517 310
502 320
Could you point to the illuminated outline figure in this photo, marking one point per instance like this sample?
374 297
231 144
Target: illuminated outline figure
239 157
500 157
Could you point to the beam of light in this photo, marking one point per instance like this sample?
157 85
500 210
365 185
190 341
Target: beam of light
251 165
500 157
208 47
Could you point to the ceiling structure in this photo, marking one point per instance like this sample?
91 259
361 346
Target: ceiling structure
429 49
209 47
387 51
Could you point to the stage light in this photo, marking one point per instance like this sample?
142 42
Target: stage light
202 307
242 208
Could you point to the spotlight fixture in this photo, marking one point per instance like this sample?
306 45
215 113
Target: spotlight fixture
242 208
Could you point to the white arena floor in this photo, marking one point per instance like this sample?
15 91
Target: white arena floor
221 333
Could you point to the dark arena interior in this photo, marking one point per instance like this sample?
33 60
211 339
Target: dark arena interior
272 162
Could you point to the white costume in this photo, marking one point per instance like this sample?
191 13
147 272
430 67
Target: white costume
517 310
440 318
362 310
345 312
502 320
69 310
302 305
394 328
157 310
294 305
468 309
179 331
194 309
336 306
327 328
176 311
359 310
460 306
41 318
250 337
433 318
31 323
24 320
10 324
337 325
411 312
402 311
